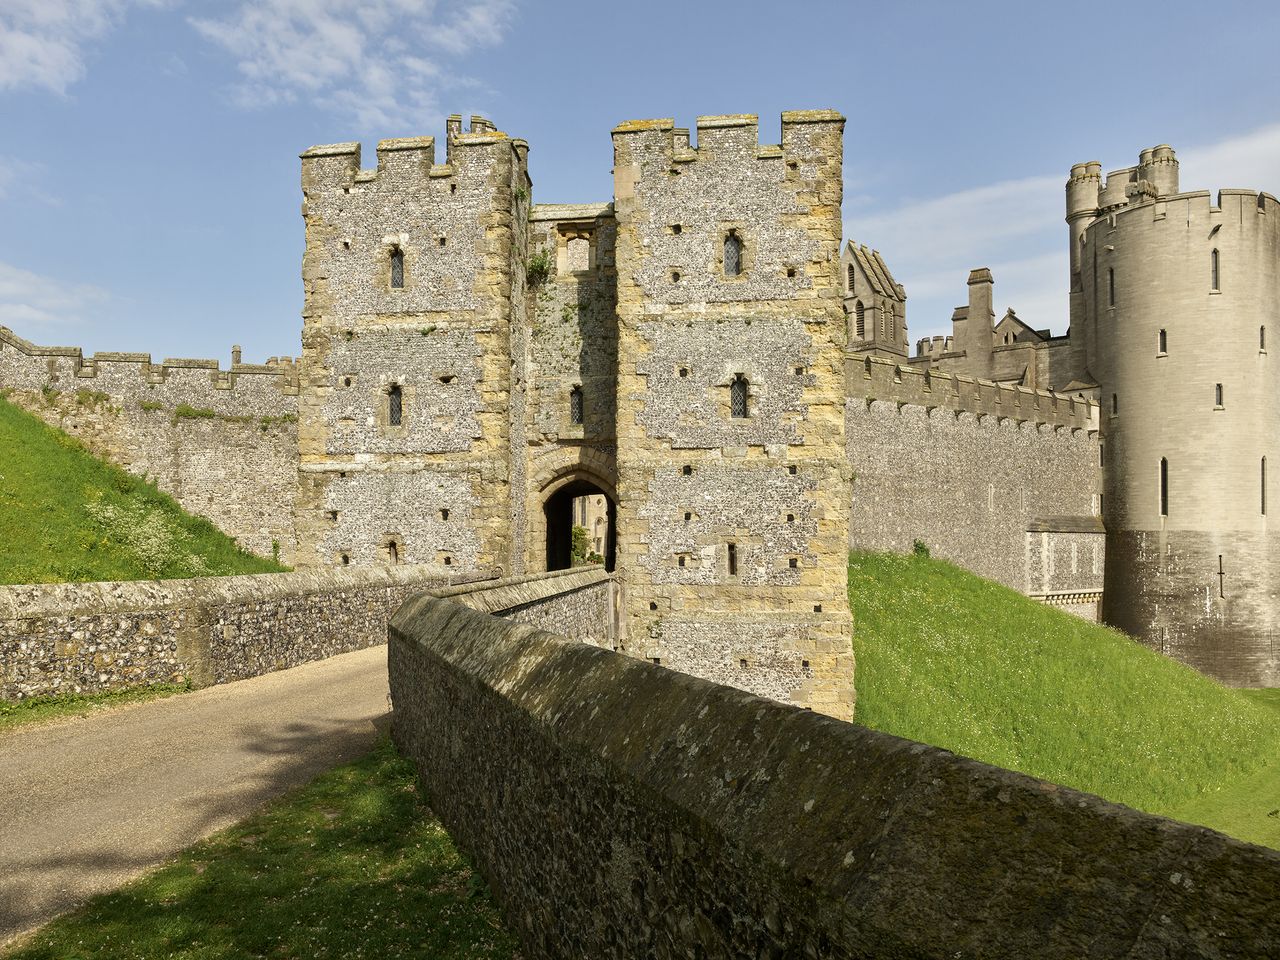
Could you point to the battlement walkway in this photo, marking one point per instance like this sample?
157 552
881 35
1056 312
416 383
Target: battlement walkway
88 804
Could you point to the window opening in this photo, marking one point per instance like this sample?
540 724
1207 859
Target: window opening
732 254
1164 341
1111 286
575 405
1262 338
1115 404
393 551
1215 276
1164 487
849 279
733 559
1217 394
738 390
859 319
1264 486
395 405
397 268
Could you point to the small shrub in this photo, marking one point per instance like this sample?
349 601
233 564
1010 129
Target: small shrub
275 550
150 405
540 267
90 398
50 394
427 331
521 194
920 549
568 313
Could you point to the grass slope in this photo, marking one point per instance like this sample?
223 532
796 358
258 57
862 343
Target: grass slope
67 516
353 865
948 658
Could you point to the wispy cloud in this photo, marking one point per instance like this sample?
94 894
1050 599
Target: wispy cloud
42 42
381 62
1016 228
30 301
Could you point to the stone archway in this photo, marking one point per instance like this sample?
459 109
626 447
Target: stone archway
555 483
559 503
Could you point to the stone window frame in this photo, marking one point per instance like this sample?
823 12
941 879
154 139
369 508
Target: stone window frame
383 407
386 250
564 234
748 254
392 548
731 369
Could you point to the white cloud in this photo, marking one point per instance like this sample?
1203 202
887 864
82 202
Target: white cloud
1016 228
29 301
42 41
361 58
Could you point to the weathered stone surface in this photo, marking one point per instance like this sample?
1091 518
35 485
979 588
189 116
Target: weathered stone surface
93 637
619 809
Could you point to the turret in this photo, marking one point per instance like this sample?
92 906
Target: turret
1159 167
972 332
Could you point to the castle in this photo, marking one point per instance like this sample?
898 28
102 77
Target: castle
703 354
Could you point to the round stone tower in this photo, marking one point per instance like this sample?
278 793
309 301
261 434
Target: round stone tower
1176 295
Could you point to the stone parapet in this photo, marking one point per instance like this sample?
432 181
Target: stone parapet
618 808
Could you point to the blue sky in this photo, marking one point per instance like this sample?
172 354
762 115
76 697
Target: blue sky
149 194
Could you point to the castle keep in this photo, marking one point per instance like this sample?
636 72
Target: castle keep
701 358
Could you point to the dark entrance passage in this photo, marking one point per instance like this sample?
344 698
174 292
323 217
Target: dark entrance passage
583 505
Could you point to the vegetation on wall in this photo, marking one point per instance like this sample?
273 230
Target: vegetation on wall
68 516
950 659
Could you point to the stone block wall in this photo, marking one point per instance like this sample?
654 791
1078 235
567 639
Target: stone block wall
413 280
223 443
96 637
1012 496
620 809
727 521
579 603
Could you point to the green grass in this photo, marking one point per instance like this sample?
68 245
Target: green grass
948 658
352 865
34 710
78 518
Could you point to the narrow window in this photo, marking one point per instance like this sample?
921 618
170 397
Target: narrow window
893 325
738 397
346 559
1214 272
1164 342
1264 486
1111 286
1102 455
1262 339
732 254
733 559
849 279
1115 404
575 405
1164 487
860 319
397 268
1217 395
393 551
395 405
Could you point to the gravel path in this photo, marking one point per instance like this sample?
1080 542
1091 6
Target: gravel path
87 804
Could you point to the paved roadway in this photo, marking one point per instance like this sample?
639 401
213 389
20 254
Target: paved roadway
87 804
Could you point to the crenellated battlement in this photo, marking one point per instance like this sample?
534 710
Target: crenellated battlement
873 378
734 135
55 363
336 166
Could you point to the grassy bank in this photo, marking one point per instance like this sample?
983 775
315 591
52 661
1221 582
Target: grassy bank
353 865
78 518
954 660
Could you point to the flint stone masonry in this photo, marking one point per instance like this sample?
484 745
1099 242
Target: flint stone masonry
96 637
580 602
692 819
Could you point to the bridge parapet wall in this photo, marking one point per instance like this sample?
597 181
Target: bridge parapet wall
618 808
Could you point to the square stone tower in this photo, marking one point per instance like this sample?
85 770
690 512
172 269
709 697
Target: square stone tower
732 477
413 278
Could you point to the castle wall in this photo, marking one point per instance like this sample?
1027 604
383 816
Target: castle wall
617 808
1196 574
223 443
435 488
974 470
733 530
